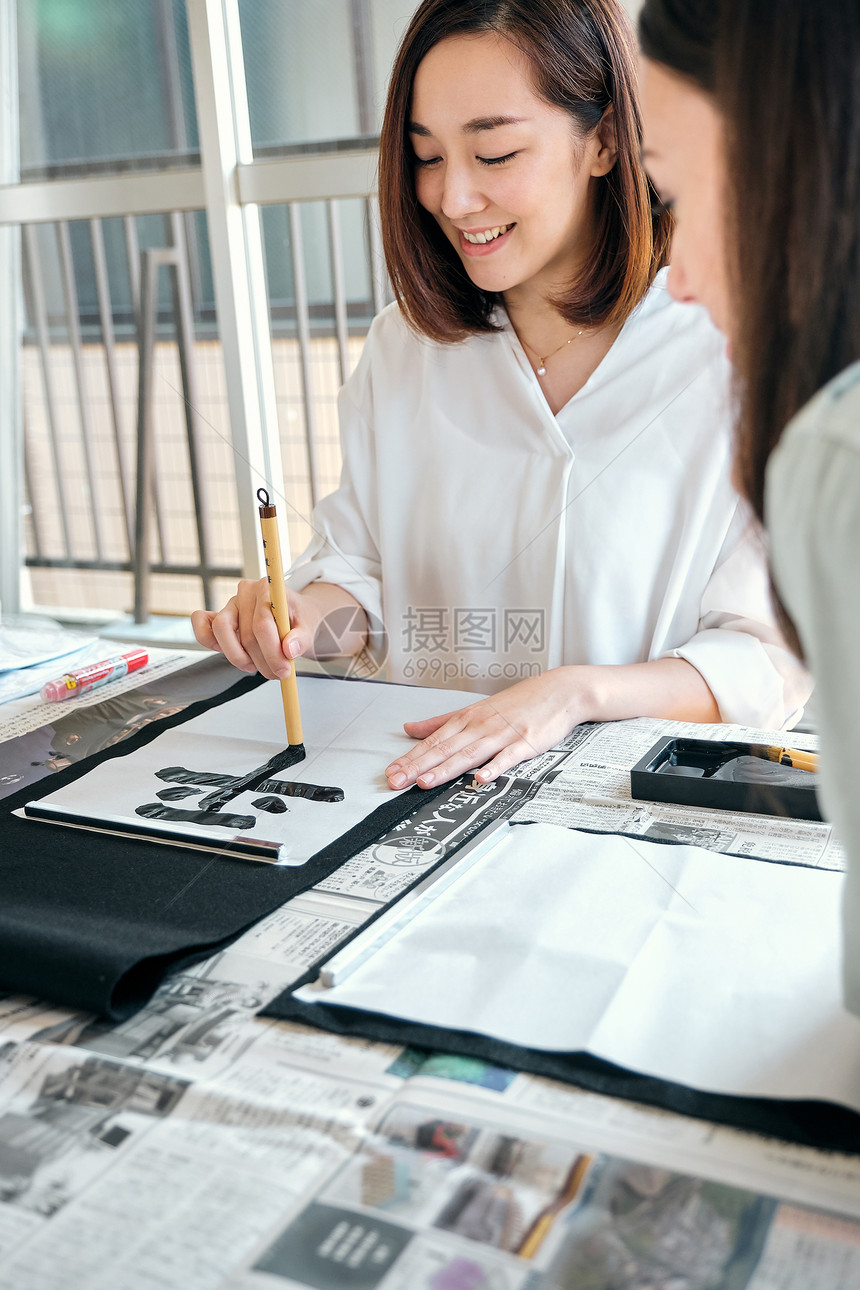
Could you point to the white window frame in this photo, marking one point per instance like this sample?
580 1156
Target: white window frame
229 185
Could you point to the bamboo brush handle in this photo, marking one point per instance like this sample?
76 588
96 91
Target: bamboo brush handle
280 609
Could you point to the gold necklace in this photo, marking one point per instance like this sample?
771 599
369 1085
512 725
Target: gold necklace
543 359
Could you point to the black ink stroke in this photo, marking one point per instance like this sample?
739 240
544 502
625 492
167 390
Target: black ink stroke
176 794
208 810
156 811
205 778
291 788
274 805
247 783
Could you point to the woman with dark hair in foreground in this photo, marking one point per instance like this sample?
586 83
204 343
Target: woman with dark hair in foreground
536 440
752 135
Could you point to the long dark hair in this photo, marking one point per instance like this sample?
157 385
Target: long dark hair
785 75
583 59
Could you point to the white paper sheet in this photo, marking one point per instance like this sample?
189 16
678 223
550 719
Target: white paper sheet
36 650
713 971
26 642
352 730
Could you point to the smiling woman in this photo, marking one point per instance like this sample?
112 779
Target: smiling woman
568 77
536 440
494 184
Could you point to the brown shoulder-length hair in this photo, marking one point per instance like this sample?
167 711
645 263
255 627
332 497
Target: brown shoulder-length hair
583 59
785 76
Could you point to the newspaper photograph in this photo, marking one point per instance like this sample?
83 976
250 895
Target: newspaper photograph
316 1161
432 1202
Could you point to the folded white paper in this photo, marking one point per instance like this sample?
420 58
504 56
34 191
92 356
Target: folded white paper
717 972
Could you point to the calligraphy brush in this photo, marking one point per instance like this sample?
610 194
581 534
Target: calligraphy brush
281 612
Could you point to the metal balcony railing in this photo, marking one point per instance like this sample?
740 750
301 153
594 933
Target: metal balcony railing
129 488
149 419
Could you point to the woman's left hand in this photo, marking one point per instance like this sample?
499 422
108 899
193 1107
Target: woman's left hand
495 733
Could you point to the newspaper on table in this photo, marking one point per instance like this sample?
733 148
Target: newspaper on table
198 1145
585 784
23 710
317 1162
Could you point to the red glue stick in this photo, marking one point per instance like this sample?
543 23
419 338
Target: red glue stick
88 678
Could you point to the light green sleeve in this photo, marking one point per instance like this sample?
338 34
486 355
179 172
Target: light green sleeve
812 513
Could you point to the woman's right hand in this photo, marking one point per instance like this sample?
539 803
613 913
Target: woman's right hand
246 633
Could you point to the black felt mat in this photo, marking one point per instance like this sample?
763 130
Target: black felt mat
94 922
815 1124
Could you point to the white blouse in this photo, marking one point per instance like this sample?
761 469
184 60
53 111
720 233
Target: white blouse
494 539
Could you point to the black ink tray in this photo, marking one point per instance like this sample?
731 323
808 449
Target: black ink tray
723 776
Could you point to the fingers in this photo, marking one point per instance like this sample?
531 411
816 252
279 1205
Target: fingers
433 732
233 630
228 631
303 624
494 734
459 742
520 750
258 630
471 757
246 633
428 726
201 625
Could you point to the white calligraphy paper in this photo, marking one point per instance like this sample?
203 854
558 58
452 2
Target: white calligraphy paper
718 972
352 730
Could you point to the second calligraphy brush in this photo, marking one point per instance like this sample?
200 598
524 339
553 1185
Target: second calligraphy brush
280 609
799 758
